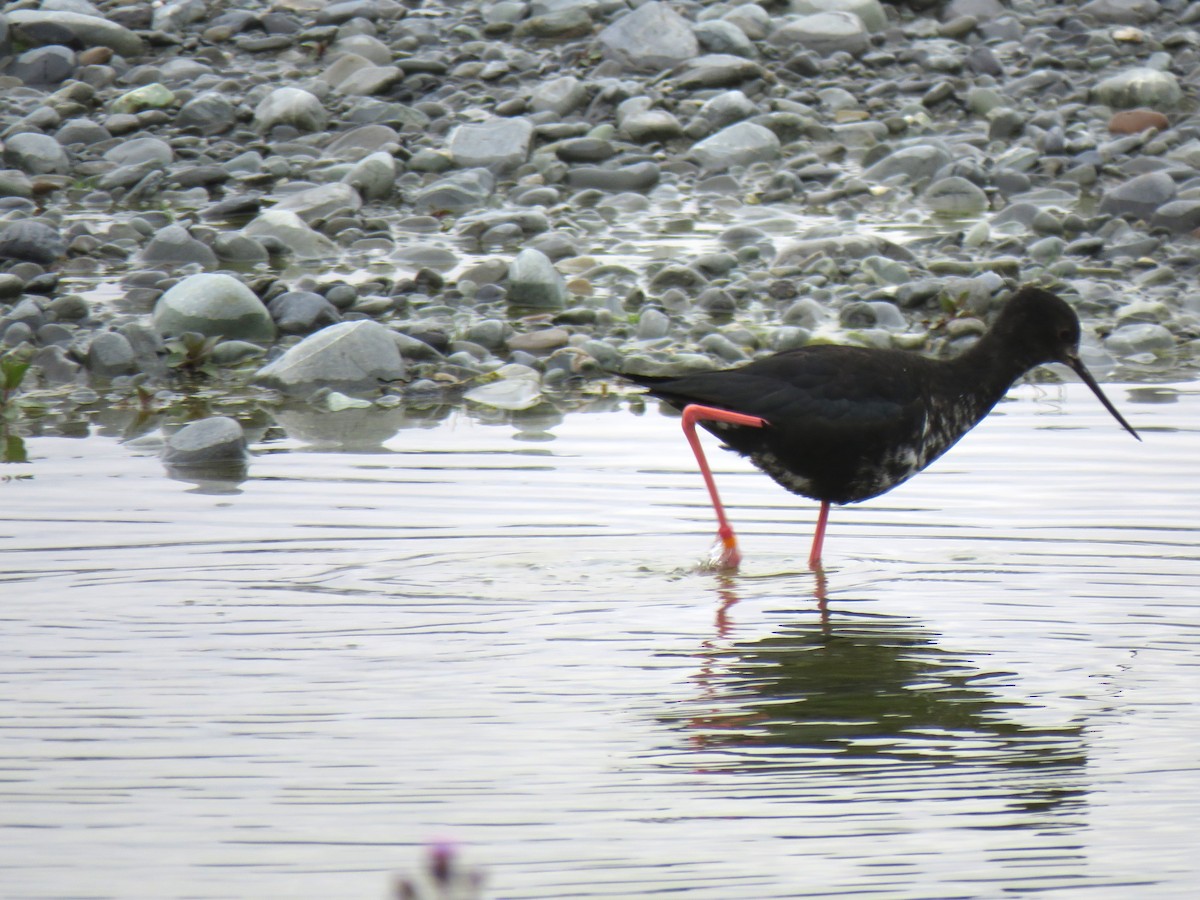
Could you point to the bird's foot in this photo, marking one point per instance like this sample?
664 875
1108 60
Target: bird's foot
724 555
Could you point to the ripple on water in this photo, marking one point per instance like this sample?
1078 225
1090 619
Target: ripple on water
284 690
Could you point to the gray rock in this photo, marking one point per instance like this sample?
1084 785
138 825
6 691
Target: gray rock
36 154
652 325
824 33
955 196
350 357
651 38
302 312
374 176
27 312
722 36
290 106
1179 216
110 354
32 241
488 333
638 177
371 80
15 334
209 113
726 108
174 246
848 246
322 202
560 24
56 365
91 31
239 248
916 164
359 143
218 440
561 96
230 353
534 282
721 346
752 19
641 122
869 11
213 304
1122 12
737 145
1139 87
281 230
173 16
11 286
369 48
456 193
45 65
716 70
979 10
586 150
1139 338
497 144
141 152
81 131
1140 196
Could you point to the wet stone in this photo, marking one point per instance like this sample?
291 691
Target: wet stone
302 312
1140 196
499 144
110 354
351 357
534 282
207 442
651 38
1138 87
213 304
36 154
31 241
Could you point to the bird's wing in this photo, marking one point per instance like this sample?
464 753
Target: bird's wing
823 387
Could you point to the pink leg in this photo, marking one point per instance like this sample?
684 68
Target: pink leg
728 556
814 557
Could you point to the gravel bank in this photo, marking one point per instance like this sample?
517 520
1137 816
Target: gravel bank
370 203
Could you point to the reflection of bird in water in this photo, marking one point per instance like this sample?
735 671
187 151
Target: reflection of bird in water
857 687
844 424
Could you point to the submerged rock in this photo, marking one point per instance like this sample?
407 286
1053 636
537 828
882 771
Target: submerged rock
212 442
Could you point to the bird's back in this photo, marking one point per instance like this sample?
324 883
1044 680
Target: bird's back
844 423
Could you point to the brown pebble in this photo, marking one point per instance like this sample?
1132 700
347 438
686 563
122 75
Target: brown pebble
539 341
1131 121
95 56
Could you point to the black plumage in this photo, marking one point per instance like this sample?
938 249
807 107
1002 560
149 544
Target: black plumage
844 424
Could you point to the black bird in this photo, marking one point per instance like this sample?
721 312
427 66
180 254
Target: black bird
844 424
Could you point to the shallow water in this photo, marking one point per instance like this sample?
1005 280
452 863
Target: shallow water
497 634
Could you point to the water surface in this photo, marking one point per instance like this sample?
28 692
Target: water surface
496 633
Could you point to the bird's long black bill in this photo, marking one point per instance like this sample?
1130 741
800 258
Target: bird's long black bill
1078 367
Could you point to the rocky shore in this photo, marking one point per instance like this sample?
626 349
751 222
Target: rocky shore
374 204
